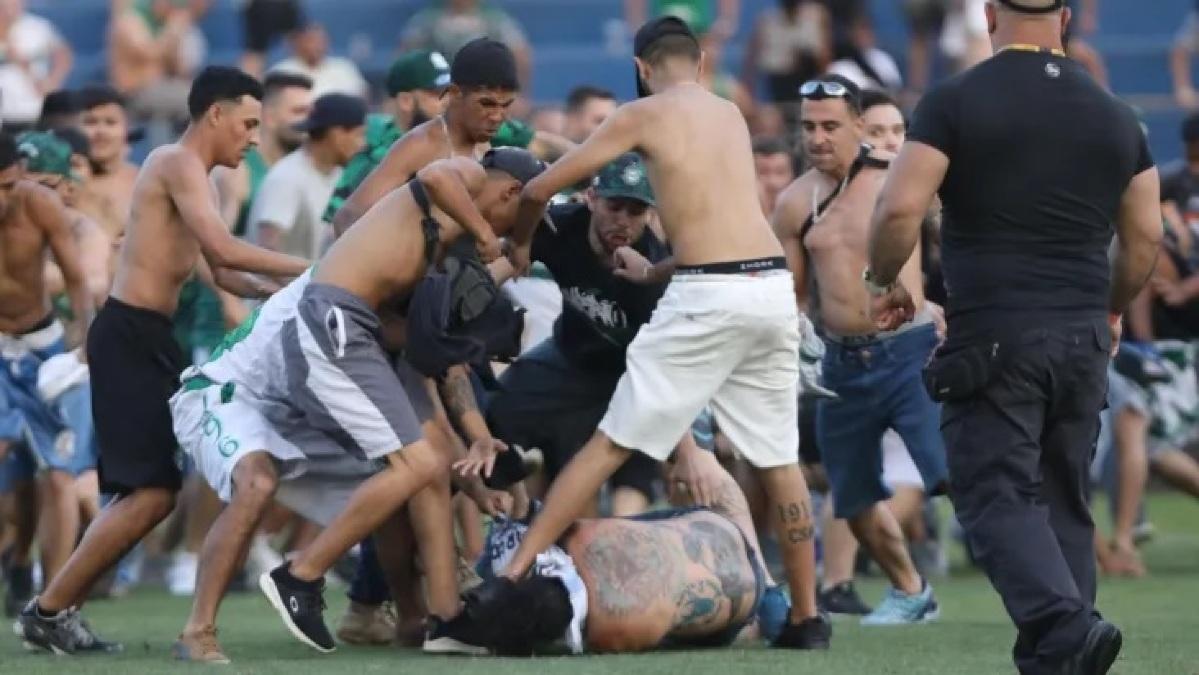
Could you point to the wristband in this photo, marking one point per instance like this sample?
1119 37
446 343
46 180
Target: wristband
872 286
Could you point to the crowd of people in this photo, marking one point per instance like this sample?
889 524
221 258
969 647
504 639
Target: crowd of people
443 342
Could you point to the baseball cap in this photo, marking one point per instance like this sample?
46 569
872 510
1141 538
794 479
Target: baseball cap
516 162
1034 6
484 62
420 69
334 110
625 177
75 138
650 33
45 153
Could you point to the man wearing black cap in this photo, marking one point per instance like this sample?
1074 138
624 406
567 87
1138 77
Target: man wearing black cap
725 332
307 385
1031 184
483 85
286 215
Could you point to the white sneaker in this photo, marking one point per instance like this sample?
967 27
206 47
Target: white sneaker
181 577
263 557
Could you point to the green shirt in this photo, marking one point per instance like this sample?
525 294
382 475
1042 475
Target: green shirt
381 133
258 169
698 14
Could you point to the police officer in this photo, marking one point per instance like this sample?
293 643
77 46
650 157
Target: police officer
1034 163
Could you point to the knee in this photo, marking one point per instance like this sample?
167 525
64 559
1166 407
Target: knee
255 481
423 461
58 482
157 503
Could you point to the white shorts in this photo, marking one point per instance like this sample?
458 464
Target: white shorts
217 434
898 468
731 340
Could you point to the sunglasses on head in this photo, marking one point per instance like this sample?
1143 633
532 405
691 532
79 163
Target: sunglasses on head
834 89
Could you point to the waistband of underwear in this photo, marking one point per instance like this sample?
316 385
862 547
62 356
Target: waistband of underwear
43 334
923 318
735 267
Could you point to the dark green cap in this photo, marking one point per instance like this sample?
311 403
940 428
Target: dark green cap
624 177
420 69
45 153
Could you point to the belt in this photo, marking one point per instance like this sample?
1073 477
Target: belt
735 266
924 318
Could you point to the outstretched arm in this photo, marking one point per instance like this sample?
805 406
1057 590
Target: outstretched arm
189 188
405 158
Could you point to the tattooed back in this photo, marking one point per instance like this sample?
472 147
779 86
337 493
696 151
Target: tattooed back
683 577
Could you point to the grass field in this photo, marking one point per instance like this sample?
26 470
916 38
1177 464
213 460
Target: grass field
1159 616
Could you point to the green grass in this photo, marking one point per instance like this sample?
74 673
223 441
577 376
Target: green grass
1159 616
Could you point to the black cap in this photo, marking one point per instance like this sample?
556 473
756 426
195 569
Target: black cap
516 162
1034 6
74 138
334 110
60 102
1190 129
485 63
649 34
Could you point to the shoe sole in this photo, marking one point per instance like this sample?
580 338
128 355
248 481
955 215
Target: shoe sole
927 617
32 646
267 586
180 654
447 645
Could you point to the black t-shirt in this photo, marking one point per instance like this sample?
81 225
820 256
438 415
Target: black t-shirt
600 312
1181 187
1039 158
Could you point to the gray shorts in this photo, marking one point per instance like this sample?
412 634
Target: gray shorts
341 380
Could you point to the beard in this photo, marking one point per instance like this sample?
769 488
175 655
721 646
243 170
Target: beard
418 117
289 142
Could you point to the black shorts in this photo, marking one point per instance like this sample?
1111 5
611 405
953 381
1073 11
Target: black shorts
266 20
547 402
135 365
809 451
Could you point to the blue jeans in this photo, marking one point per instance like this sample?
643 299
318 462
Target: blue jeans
880 387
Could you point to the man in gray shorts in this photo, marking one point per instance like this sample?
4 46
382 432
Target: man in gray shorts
305 390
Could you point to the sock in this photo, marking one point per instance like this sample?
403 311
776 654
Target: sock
41 613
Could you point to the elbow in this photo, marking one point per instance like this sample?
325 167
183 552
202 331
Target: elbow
535 193
220 256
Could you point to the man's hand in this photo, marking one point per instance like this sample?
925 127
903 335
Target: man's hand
1171 292
893 309
490 502
519 257
811 362
480 457
630 265
1115 323
938 313
489 247
697 475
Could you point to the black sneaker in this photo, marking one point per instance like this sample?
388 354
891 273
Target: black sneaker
451 637
57 634
842 600
1099 651
300 606
86 640
20 590
813 633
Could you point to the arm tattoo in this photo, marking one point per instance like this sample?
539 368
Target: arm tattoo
457 393
631 569
720 552
698 603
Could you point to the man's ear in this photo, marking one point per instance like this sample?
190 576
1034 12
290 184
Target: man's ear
989 9
513 191
1067 17
589 198
642 69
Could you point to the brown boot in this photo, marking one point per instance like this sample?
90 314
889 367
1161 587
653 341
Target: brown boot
200 647
367 625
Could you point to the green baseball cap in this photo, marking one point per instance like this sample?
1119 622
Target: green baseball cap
46 153
624 177
420 69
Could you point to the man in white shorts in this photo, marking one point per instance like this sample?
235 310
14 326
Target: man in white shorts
726 332
304 393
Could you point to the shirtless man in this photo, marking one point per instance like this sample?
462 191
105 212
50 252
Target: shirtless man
135 361
824 216
32 223
726 332
688 577
109 193
483 85
351 404
312 440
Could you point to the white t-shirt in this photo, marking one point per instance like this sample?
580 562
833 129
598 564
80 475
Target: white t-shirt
334 75
292 197
32 39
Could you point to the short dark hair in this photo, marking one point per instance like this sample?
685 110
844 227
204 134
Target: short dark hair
484 63
515 618
276 82
670 46
770 145
96 95
220 83
872 97
580 95
9 155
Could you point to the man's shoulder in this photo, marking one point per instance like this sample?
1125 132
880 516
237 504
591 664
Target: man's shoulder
569 217
795 199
